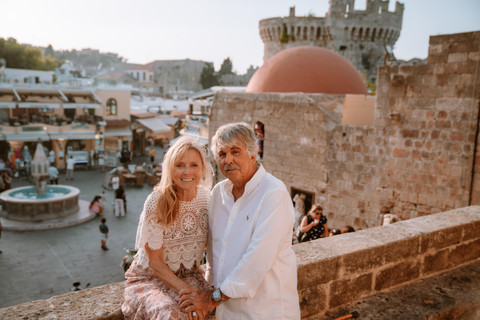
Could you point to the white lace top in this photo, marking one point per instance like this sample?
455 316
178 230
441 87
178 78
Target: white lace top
184 241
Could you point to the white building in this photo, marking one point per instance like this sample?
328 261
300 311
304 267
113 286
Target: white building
10 75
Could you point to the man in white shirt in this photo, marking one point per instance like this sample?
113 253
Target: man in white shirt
70 167
251 264
115 185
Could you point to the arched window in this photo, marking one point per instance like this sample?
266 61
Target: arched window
111 106
367 34
360 34
319 33
353 34
373 34
305 32
346 33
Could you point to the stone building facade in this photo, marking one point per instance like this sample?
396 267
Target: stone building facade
360 36
177 77
420 156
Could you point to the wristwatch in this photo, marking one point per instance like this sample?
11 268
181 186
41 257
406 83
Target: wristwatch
217 296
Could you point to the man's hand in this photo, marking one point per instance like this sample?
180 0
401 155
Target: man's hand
196 300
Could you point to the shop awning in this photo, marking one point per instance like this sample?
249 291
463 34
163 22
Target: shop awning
28 136
7 105
201 140
154 124
81 105
73 135
117 133
38 105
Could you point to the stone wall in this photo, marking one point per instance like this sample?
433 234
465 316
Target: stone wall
393 264
416 159
431 112
296 132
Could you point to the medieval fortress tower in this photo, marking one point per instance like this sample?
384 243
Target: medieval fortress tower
360 36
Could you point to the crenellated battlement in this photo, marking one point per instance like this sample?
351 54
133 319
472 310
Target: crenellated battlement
358 35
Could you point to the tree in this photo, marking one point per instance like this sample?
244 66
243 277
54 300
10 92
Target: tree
208 78
49 51
22 57
226 67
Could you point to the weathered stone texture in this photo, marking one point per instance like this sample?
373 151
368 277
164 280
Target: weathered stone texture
419 158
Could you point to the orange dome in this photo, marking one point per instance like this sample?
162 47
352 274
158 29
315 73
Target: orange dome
308 70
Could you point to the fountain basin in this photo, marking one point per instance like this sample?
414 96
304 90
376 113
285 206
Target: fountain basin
23 204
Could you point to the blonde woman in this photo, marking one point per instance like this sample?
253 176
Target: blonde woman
171 238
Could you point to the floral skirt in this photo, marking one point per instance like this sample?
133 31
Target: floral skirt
147 297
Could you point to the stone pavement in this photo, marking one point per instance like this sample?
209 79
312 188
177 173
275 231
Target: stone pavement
40 264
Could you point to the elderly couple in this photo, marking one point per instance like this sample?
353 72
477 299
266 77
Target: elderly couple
245 222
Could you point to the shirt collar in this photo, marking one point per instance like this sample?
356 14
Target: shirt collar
251 184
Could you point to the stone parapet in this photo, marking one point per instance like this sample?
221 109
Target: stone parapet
336 271
359 269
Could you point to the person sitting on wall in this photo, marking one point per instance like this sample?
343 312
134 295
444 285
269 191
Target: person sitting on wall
314 224
389 219
96 205
334 232
348 229
53 174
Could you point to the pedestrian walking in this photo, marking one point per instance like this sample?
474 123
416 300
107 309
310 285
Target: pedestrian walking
152 155
104 231
70 167
104 160
115 185
120 202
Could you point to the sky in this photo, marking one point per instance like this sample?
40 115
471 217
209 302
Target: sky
210 30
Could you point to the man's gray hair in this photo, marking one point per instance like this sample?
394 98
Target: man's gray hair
237 133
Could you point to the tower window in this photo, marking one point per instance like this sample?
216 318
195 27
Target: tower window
111 107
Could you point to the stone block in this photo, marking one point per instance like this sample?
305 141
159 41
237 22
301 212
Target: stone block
436 262
397 92
475 56
346 290
471 231
400 153
397 274
463 253
319 272
457 57
363 260
312 300
443 238
451 68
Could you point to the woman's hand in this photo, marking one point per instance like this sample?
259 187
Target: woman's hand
196 300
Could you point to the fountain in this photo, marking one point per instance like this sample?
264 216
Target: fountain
42 202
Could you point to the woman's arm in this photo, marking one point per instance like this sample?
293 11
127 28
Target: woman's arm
162 271
325 230
305 226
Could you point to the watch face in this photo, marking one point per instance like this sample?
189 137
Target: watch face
217 296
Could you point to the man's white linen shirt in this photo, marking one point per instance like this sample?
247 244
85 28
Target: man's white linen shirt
250 256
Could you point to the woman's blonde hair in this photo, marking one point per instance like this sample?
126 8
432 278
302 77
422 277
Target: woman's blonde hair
315 207
168 202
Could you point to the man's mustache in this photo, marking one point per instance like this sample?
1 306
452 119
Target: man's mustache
229 167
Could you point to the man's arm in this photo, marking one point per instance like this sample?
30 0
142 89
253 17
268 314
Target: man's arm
273 226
